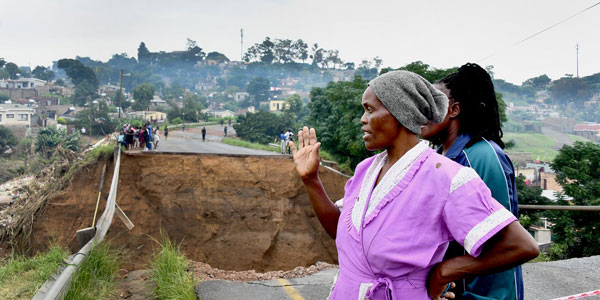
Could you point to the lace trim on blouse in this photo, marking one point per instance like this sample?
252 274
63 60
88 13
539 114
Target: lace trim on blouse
464 175
393 176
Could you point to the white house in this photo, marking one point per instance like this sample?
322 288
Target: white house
16 115
22 83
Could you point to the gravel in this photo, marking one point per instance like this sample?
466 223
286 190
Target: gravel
555 279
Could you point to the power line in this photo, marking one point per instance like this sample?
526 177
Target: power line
541 31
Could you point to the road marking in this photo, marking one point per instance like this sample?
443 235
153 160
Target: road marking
290 290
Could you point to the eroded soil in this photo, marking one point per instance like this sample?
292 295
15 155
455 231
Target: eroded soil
231 212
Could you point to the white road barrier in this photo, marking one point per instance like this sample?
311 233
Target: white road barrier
580 296
57 287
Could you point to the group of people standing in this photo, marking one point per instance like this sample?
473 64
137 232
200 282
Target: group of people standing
285 138
417 223
145 138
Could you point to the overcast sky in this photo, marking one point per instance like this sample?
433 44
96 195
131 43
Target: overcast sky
440 33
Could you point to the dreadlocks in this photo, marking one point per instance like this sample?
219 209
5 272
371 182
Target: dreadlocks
472 87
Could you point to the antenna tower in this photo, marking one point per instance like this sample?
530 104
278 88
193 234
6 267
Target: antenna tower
241 44
577 50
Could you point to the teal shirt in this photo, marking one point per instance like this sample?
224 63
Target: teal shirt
496 170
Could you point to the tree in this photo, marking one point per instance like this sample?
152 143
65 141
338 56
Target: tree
266 51
537 83
577 170
335 113
531 195
294 105
301 50
12 70
570 90
43 73
7 139
258 88
423 69
2 62
220 57
317 56
284 51
143 53
84 93
3 97
142 94
78 72
50 138
261 127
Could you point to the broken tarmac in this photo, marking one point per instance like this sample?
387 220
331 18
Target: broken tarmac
546 280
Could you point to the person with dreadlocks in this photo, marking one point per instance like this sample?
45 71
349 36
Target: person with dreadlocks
470 135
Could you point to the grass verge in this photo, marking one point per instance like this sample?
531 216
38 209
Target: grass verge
541 146
97 276
21 277
246 144
170 273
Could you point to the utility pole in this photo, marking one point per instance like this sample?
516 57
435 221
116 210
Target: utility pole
577 50
241 44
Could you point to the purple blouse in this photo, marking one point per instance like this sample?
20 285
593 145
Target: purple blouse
390 236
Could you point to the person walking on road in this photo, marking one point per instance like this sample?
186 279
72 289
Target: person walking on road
183 127
203 133
166 133
405 204
283 144
225 131
288 137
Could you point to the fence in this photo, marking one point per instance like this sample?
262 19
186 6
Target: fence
57 287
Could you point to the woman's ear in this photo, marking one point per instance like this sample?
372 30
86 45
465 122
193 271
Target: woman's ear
454 110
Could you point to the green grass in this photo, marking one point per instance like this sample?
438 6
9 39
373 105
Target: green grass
170 273
100 152
246 144
576 138
538 144
21 277
97 276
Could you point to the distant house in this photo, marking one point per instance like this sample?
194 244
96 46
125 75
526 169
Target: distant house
158 102
590 131
16 115
150 116
109 90
277 105
220 113
47 101
22 83
240 96
206 85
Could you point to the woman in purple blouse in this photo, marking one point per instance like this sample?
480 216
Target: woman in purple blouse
404 205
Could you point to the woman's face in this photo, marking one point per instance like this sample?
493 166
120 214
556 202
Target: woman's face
380 128
436 131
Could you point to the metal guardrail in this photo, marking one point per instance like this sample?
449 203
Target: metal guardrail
57 287
560 207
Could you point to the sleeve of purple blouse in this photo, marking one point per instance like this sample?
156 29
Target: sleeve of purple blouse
470 213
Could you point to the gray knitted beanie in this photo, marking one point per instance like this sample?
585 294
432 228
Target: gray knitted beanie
410 98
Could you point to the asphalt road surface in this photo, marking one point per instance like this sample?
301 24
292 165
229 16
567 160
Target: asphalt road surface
190 141
543 281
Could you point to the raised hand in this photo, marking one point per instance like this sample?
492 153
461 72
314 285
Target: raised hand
306 157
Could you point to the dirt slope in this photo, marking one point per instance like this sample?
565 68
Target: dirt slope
232 212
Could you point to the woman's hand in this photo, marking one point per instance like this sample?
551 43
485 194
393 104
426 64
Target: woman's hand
438 290
306 157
